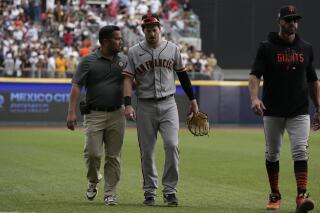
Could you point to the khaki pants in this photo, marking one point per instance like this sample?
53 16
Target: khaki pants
104 132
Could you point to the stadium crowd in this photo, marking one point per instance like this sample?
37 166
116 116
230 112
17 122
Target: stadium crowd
47 38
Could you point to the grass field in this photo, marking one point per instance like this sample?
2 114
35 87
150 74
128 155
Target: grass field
42 170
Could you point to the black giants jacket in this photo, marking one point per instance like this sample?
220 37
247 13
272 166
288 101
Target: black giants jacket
286 70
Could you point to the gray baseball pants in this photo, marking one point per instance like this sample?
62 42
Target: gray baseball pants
298 129
162 116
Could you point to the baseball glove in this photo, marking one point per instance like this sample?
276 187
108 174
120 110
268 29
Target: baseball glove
198 123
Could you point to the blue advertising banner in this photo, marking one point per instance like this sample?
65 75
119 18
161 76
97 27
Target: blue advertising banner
39 102
27 102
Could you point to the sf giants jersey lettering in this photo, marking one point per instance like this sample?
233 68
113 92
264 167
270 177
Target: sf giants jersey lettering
154 69
290 58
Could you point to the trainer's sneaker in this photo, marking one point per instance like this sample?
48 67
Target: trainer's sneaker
110 200
274 201
149 200
170 199
92 191
304 203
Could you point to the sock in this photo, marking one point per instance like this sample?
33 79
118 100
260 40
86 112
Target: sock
301 173
273 174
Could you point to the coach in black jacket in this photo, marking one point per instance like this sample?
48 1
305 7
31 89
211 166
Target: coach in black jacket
286 63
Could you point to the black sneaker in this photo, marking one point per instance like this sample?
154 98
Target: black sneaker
92 191
170 199
149 200
110 200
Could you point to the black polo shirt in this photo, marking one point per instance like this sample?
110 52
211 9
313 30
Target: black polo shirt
102 79
286 69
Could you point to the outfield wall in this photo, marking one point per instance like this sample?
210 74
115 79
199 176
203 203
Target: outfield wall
45 101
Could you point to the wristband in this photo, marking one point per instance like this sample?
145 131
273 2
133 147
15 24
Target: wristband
127 100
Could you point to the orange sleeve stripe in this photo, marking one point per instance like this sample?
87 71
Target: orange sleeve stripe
127 73
182 69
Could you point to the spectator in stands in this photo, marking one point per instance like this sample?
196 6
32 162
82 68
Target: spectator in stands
207 71
196 63
35 4
203 61
71 64
173 5
132 8
18 35
41 66
142 8
212 61
155 6
26 66
18 22
197 66
51 66
184 56
50 5
59 12
34 59
32 33
113 7
187 9
67 50
85 49
18 66
68 37
178 24
8 65
61 65
170 9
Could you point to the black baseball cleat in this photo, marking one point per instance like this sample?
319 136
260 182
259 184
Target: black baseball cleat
170 199
149 201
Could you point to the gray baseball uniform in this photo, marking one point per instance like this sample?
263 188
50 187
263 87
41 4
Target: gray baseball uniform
298 130
153 70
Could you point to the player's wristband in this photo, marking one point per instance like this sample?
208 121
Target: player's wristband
127 100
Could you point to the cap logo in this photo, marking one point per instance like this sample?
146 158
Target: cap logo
291 9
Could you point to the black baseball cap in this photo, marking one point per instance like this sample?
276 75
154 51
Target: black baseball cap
289 11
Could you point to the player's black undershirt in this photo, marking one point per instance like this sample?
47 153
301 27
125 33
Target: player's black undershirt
186 84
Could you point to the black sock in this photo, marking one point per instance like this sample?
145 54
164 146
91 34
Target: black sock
301 173
273 175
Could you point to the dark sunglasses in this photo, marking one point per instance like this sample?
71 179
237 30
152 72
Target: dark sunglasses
289 20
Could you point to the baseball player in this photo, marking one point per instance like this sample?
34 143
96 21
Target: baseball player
153 64
286 63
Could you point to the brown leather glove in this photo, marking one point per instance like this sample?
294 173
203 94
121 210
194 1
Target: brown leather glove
198 123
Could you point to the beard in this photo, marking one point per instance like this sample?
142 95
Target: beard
290 30
116 50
